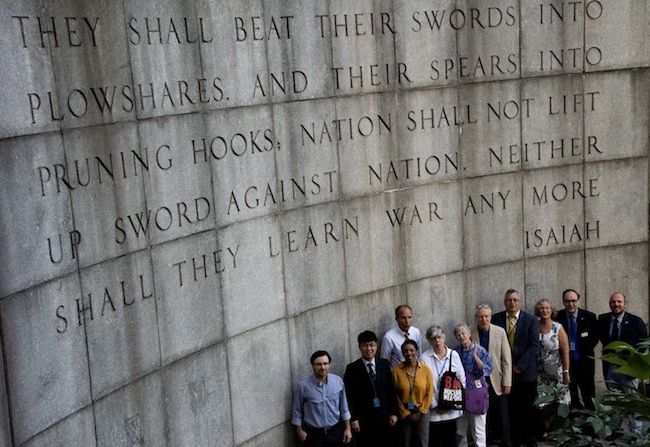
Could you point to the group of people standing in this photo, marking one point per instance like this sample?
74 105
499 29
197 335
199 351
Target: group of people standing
393 399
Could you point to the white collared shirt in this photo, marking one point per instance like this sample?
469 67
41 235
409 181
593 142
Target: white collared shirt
391 344
438 366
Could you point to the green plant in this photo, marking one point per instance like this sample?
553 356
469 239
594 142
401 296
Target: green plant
607 424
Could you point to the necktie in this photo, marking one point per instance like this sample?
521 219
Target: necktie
573 337
406 335
371 371
512 322
615 331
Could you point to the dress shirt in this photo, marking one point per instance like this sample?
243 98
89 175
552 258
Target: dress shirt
319 405
438 366
391 344
619 319
484 338
469 363
418 390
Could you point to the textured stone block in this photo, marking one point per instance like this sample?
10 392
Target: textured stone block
552 38
133 415
240 145
29 77
624 269
307 157
438 300
179 193
5 429
253 290
553 202
39 239
620 210
46 364
492 219
106 166
488 40
257 363
363 51
427 146
280 435
77 430
549 276
311 243
490 137
423 20
189 306
615 128
197 400
164 45
121 324
617 34
552 134
324 328
366 144
489 284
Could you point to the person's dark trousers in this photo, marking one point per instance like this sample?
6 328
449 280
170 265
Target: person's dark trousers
522 417
374 433
442 434
582 383
318 437
498 419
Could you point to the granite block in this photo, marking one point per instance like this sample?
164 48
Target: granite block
197 400
427 149
439 300
188 289
627 20
622 268
552 38
133 415
239 145
280 435
549 276
428 21
121 321
28 85
5 428
554 201
492 219
553 134
489 284
40 239
179 194
615 128
619 214
45 356
312 247
77 430
367 140
324 328
488 40
307 134
106 166
257 364
490 140
164 45
252 280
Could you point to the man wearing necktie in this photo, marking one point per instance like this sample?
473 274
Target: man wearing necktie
521 329
391 344
370 392
619 325
582 328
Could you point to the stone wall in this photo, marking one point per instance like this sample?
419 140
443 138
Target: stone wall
197 195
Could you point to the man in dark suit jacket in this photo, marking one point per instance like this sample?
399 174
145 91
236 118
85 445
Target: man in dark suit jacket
521 328
619 325
371 395
582 328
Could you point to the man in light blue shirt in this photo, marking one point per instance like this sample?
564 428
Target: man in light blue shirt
320 412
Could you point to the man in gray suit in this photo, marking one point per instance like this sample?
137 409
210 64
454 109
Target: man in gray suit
495 340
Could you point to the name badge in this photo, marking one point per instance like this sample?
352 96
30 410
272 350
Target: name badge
477 383
410 405
572 346
376 403
584 334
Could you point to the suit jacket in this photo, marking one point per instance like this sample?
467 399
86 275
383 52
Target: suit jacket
632 330
526 345
499 350
360 392
587 331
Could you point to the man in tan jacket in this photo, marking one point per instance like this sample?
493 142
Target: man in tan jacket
495 340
